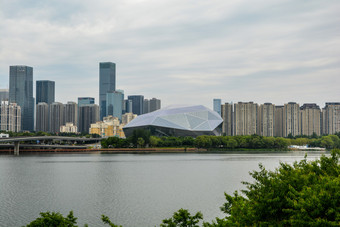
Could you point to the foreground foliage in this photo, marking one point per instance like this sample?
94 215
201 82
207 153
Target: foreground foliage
54 219
305 193
302 194
183 218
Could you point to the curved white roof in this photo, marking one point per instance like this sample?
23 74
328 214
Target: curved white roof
193 118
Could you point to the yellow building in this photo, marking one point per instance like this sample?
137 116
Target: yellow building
127 117
110 126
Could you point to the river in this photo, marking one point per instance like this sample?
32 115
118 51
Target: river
133 190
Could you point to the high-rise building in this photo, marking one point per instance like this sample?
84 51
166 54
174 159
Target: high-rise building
42 117
155 104
137 103
4 93
57 118
114 103
323 121
127 117
227 116
71 113
110 126
291 119
245 118
107 83
88 114
278 122
45 91
310 115
146 106
127 106
217 106
21 92
69 127
85 101
332 118
10 117
266 119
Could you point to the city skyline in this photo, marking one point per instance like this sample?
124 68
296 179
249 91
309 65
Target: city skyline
179 52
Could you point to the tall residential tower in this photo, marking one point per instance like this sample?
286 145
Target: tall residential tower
42 117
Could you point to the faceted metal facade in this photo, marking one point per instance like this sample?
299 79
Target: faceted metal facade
178 121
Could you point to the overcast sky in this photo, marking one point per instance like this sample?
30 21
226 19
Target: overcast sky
180 51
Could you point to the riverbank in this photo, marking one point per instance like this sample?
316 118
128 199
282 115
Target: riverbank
26 151
105 151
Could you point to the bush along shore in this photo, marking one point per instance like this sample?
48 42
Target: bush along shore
142 139
305 193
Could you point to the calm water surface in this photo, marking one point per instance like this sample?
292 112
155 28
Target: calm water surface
133 190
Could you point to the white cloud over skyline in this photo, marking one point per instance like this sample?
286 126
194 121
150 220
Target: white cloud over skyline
183 52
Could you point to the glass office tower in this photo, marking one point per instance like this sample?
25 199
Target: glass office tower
114 103
137 103
217 106
21 92
45 91
85 101
107 83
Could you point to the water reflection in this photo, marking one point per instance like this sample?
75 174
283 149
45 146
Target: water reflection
133 190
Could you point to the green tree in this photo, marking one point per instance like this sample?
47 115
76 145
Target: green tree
327 142
140 142
182 218
314 135
290 136
54 219
203 142
241 141
300 141
188 141
302 194
268 142
106 220
140 133
154 141
281 143
336 141
255 142
216 141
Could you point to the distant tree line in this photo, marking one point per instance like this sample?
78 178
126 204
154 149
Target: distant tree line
142 138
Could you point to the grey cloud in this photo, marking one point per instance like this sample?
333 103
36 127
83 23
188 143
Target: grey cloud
180 51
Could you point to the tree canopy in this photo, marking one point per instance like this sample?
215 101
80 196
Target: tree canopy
302 194
54 219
